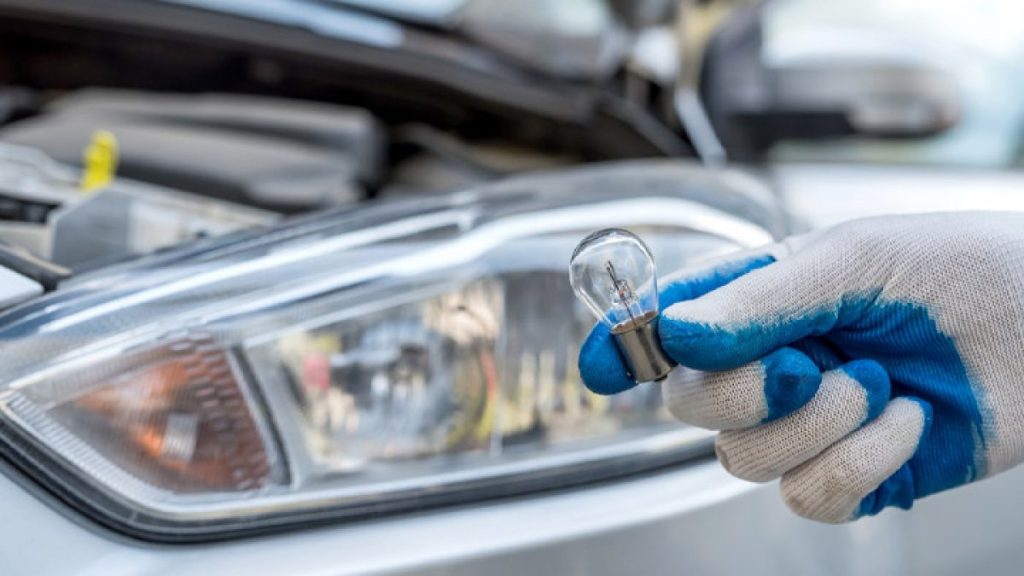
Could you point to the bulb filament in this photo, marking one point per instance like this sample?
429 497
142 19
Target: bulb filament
626 297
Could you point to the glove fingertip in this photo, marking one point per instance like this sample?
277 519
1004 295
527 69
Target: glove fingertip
875 381
600 365
896 491
791 380
926 410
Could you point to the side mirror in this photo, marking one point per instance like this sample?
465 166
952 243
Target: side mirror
820 84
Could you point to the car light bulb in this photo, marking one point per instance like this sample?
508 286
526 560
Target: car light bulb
612 272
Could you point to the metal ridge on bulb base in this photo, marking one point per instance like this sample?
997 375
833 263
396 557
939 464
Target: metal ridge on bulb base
641 349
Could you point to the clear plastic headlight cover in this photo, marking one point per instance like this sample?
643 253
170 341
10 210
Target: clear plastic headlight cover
394 357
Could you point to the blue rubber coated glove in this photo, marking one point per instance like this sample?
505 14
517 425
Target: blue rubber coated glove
867 365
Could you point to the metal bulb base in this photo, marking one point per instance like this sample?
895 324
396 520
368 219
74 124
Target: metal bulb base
641 349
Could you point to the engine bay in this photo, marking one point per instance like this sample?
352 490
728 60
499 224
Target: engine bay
268 119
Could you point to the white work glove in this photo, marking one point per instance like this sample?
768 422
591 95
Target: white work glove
867 365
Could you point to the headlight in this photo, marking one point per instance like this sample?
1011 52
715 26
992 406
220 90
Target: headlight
400 356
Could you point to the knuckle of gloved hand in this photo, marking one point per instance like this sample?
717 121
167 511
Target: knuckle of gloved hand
859 237
980 252
865 252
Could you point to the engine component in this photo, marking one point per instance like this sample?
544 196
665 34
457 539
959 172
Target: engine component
44 212
277 154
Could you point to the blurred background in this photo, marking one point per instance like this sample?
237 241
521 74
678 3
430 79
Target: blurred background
977 48
446 93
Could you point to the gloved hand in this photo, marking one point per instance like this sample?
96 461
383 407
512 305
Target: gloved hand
867 365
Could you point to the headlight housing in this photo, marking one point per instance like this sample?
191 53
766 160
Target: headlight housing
394 357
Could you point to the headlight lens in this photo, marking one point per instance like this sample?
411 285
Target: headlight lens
398 356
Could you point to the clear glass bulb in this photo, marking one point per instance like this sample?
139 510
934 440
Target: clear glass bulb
612 271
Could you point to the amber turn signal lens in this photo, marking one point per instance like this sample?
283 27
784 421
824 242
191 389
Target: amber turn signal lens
181 424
